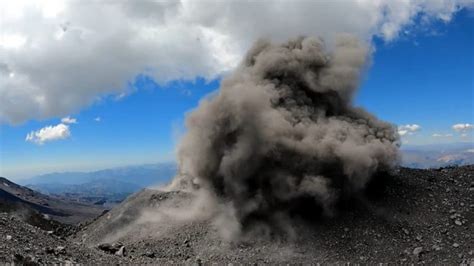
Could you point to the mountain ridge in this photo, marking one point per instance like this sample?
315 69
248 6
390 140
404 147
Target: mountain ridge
28 203
105 187
148 174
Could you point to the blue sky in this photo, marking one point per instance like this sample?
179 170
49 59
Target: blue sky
142 127
424 77
427 79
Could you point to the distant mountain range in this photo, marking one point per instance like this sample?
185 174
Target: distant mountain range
111 186
38 208
104 187
437 155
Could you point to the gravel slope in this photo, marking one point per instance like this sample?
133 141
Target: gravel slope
23 243
417 216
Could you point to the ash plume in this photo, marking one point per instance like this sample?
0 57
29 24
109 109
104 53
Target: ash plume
281 135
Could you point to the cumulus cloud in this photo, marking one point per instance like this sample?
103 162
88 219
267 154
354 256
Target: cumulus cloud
97 119
408 129
463 128
49 133
69 120
58 56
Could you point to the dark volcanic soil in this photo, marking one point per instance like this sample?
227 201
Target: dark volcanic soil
417 216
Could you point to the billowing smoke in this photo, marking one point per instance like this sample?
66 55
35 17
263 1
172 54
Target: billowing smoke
281 135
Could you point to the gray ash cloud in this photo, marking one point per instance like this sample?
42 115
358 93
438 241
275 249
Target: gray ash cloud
281 136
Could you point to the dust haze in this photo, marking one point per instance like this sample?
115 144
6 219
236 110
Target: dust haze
282 138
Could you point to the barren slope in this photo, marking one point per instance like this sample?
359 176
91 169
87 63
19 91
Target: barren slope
415 216
18 199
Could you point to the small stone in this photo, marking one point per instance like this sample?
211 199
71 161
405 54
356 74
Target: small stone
49 250
198 262
150 254
455 245
9 237
121 251
60 250
18 258
109 248
346 229
405 231
417 251
457 222
418 238
436 247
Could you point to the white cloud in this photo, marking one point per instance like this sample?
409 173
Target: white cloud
402 132
413 127
97 119
437 135
49 133
408 129
59 56
69 120
462 128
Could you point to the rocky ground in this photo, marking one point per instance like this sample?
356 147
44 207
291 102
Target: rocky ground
23 243
416 216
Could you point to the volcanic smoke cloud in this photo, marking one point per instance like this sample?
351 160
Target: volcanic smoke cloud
282 132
